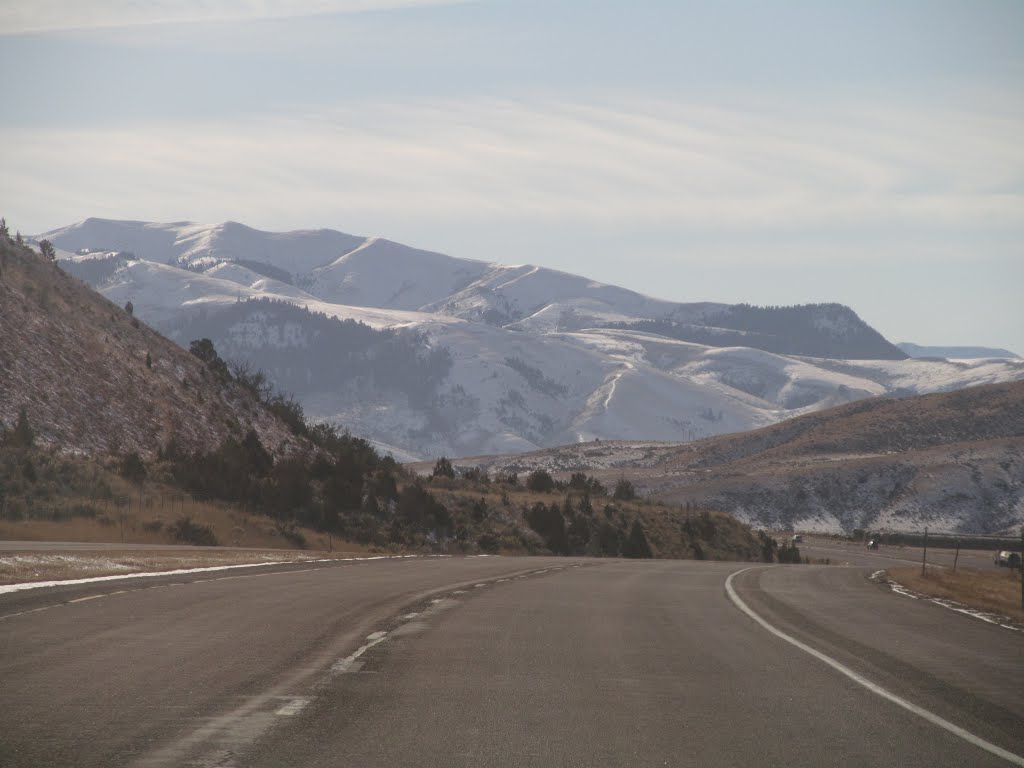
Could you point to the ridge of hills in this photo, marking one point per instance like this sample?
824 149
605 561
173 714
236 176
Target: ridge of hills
513 358
955 353
951 461
100 415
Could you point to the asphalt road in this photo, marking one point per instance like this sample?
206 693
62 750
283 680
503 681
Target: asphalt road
501 661
886 556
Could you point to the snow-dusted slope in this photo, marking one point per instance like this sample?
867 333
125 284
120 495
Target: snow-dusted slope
197 245
531 361
382 273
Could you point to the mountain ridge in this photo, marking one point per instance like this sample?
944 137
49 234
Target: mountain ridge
538 357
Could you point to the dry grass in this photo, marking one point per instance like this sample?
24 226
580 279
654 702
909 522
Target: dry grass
147 519
18 567
992 591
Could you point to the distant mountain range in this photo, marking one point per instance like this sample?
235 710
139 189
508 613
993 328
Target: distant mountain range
956 353
426 354
953 462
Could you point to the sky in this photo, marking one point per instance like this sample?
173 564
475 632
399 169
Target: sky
868 153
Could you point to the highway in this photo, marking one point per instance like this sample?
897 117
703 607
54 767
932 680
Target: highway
504 662
887 556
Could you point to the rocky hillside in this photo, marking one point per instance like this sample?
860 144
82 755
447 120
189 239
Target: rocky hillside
951 461
92 379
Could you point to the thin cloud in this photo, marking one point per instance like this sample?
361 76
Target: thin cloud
18 17
658 164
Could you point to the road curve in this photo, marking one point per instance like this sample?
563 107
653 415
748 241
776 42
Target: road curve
499 661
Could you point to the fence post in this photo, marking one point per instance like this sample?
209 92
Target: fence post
924 557
957 555
1022 567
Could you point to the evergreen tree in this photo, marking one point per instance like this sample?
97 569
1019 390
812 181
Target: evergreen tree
624 490
443 468
132 468
541 481
22 435
636 545
46 248
4 231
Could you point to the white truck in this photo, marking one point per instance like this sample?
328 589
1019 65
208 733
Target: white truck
1007 559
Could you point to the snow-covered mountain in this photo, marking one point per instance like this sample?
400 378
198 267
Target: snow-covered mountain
466 357
955 353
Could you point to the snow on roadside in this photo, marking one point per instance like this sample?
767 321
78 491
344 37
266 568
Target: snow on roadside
998 619
7 588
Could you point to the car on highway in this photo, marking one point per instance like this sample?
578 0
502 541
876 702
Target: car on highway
872 544
797 538
1006 559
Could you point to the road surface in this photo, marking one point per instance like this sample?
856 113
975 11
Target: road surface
504 662
887 556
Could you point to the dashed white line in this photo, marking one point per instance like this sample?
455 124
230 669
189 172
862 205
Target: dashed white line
345 665
293 707
876 689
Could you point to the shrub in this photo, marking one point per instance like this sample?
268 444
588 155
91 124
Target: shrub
443 468
624 490
540 481
507 478
293 535
488 543
188 531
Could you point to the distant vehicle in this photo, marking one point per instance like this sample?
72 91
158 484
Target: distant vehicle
873 544
797 538
1007 559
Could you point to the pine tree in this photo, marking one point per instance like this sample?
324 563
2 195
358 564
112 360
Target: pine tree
46 248
636 545
22 436
443 468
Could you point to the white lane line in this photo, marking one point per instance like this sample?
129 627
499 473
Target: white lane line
876 689
32 610
293 707
83 599
345 665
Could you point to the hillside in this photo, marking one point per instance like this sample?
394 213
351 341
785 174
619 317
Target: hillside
951 461
524 357
92 379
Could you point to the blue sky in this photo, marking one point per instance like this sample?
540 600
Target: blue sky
869 153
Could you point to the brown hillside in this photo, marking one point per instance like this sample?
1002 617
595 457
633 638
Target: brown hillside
953 460
881 425
78 365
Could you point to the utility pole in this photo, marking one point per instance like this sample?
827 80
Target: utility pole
924 557
957 555
1022 568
